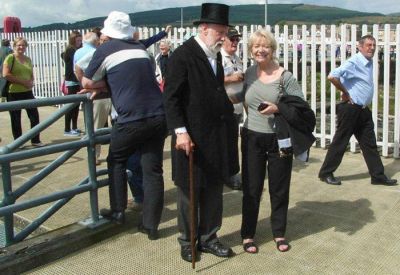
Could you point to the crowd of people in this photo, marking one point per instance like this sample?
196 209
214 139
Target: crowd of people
197 93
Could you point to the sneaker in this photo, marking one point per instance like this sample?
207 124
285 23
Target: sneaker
75 131
71 134
37 144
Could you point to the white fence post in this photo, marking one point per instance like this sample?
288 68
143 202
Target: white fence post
295 45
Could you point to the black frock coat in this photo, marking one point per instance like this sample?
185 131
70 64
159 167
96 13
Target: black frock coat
195 98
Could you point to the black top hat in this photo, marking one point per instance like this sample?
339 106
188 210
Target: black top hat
214 13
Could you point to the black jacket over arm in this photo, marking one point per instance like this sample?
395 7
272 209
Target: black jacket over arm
295 120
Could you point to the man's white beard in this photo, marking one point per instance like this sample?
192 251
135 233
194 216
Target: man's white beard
215 48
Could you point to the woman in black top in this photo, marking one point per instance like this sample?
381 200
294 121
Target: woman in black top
71 82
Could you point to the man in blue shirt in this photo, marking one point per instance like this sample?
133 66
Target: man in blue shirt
354 78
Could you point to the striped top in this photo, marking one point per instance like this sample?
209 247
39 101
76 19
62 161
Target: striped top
126 66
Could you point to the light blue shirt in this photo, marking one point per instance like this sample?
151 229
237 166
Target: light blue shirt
81 52
356 75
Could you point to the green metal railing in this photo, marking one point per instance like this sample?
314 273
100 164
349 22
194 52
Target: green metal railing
9 153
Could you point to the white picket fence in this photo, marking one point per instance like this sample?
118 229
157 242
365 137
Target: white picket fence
304 50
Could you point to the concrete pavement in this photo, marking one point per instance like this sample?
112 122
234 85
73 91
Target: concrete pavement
347 229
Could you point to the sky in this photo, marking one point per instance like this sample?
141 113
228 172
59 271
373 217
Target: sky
34 13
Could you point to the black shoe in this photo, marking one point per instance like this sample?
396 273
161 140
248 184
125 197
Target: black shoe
217 248
384 181
234 182
186 253
331 180
115 216
152 234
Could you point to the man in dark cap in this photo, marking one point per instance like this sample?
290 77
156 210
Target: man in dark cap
200 116
233 70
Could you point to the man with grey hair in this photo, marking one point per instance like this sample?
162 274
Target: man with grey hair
233 70
89 43
354 78
101 107
200 116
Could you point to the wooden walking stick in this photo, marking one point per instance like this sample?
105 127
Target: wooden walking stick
192 210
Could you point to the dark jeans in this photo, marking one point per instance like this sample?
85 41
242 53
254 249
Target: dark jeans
15 116
72 116
146 135
353 119
258 151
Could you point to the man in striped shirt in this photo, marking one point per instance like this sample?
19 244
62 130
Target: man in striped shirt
123 67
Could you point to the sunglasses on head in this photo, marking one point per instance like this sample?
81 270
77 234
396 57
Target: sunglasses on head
234 39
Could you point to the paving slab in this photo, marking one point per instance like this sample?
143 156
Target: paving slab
347 229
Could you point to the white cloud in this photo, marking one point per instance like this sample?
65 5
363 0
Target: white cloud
39 12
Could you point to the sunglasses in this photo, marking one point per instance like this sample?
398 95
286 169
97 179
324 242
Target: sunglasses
234 39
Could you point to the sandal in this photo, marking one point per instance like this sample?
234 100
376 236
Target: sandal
248 245
282 242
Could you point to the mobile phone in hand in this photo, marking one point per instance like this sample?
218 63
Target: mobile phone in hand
262 106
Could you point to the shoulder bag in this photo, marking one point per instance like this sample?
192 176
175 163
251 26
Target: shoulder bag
5 84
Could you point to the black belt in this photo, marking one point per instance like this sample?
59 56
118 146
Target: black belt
357 105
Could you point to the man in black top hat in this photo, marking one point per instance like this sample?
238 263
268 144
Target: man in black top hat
200 114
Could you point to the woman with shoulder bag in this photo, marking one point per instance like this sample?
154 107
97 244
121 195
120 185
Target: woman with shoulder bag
260 148
18 70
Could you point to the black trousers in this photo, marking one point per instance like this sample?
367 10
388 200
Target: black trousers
260 151
146 135
353 119
208 200
15 116
72 116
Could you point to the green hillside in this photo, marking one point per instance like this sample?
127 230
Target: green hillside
240 15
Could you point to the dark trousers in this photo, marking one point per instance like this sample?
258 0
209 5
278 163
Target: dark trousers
353 119
72 116
146 135
259 151
15 116
208 199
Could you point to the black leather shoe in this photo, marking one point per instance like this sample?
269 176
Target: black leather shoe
217 248
331 180
115 216
152 234
384 181
186 253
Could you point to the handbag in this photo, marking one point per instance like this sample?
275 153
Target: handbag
4 83
63 87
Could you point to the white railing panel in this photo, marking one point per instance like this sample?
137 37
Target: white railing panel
295 45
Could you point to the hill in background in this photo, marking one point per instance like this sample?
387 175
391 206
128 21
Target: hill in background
242 15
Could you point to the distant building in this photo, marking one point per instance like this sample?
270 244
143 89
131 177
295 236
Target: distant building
12 24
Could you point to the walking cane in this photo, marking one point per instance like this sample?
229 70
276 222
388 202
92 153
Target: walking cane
192 210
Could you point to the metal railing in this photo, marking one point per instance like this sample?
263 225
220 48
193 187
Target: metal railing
10 153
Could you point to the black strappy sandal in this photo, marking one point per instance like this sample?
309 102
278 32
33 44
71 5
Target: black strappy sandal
282 242
248 245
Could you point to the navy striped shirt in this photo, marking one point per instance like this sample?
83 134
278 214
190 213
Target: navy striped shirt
127 69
